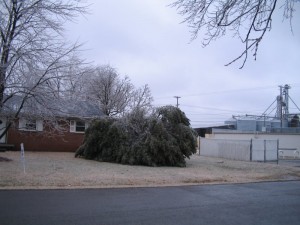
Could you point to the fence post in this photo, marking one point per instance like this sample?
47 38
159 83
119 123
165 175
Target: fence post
23 157
265 155
277 150
251 150
199 144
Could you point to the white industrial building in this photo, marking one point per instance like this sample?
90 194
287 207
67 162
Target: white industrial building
282 128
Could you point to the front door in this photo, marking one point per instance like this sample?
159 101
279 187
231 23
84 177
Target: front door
2 127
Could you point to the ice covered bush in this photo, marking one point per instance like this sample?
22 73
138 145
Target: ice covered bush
163 138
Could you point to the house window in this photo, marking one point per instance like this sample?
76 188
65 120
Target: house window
30 125
78 126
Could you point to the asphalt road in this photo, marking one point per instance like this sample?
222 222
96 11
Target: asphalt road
255 203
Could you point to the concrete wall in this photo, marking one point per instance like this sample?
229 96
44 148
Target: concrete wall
228 149
286 141
244 150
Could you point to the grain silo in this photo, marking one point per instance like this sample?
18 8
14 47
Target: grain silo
246 124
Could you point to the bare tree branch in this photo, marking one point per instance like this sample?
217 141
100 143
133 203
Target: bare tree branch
248 20
115 95
33 53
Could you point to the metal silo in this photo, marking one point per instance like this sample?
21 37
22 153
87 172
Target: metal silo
263 125
246 124
231 122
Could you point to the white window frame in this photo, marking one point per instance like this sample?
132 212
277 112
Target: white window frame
73 126
2 127
24 124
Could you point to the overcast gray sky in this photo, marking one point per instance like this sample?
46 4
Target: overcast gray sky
145 40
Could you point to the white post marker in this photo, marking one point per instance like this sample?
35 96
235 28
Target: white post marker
23 157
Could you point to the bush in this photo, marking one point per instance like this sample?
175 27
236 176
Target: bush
162 139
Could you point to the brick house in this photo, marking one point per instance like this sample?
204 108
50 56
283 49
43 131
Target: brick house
37 134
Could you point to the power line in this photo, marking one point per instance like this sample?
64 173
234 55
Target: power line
229 91
195 111
211 108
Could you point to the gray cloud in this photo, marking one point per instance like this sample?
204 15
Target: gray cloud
145 40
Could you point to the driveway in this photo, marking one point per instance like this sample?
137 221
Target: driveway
253 203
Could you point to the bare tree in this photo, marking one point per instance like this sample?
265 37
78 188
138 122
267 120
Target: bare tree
33 52
110 91
115 95
72 85
249 20
142 99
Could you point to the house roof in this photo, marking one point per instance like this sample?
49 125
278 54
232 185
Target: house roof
81 109
68 108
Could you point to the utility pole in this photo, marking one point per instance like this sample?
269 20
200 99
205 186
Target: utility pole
177 97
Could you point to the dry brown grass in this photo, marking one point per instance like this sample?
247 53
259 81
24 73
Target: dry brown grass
61 170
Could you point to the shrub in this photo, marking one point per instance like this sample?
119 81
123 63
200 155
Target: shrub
162 139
